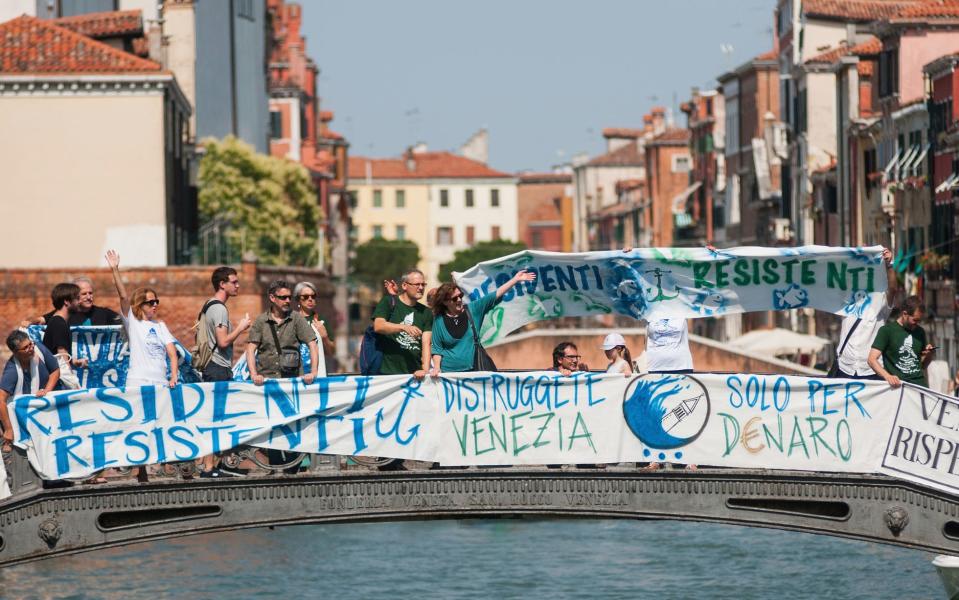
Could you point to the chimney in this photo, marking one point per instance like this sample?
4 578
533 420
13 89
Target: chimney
658 119
410 159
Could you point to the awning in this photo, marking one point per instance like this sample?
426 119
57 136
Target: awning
679 202
917 162
906 161
779 342
892 164
949 183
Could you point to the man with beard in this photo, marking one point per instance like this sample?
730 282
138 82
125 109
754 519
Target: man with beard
903 346
273 347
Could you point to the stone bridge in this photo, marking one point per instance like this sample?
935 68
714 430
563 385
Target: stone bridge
37 523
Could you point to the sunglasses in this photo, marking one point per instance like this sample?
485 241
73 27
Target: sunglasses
307 296
572 356
286 297
151 302
455 298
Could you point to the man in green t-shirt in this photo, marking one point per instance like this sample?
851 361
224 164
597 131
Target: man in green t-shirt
903 346
404 327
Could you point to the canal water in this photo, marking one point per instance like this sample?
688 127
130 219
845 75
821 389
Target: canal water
511 558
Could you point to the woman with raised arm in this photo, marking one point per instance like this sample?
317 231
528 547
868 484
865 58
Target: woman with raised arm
456 325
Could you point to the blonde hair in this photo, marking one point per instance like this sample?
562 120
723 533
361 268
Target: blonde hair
139 297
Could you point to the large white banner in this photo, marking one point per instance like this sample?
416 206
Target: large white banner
654 283
752 421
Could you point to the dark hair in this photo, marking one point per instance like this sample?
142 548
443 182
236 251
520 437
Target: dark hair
911 305
278 284
441 296
221 275
559 350
15 338
63 293
626 355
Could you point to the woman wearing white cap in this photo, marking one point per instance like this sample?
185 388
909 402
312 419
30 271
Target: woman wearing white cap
620 360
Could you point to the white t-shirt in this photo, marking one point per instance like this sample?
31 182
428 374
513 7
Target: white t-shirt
854 358
148 357
667 345
620 367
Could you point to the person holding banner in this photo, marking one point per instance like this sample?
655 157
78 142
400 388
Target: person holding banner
566 359
857 333
903 346
456 325
403 327
32 370
273 348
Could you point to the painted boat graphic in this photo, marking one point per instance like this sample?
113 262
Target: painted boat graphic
680 412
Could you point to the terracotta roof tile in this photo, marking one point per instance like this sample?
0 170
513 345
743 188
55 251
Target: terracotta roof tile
622 132
872 46
629 184
426 165
856 10
104 24
628 155
865 68
771 55
326 116
331 135
672 135
930 9
30 45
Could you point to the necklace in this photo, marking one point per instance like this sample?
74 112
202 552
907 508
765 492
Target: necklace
454 318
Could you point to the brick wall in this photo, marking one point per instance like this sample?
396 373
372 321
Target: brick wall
182 292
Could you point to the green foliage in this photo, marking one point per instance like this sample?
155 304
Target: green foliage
269 204
379 259
463 260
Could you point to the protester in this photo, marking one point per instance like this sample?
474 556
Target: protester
857 333
305 295
153 357
273 348
57 336
220 331
404 328
566 359
620 360
902 345
86 312
456 325
31 370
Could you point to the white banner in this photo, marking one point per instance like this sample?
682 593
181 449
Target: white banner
750 421
654 283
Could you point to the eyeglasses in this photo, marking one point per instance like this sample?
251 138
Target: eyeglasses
278 297
27 348
572 356
421 285
307 296
151 302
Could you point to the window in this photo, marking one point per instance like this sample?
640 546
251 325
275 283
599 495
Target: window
469 198
276 124
377 198
400 198
354 232
377 231
444 236
444 198
470 234
353 200
494 232
244 9
401 232
888 72
681 163
537 239
494 198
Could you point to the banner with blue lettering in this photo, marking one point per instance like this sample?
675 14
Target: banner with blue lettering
749 421
654 283
107 353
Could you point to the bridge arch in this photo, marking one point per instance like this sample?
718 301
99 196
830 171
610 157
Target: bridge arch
47 523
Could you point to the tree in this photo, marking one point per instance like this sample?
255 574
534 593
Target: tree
379 259
268 205
463 260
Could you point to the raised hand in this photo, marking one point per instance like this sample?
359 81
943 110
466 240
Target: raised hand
113 259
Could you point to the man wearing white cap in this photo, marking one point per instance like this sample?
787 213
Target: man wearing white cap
620 361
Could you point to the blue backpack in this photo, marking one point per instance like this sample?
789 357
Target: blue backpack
371 355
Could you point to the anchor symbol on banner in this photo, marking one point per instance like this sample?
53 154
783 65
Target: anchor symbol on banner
658 274
412 389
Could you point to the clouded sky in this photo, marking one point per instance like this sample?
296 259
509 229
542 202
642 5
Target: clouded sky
543 76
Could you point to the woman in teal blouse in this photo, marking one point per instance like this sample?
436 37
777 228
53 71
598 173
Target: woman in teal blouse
452 346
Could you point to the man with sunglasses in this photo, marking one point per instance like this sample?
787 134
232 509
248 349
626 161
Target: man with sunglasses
273 348
404 328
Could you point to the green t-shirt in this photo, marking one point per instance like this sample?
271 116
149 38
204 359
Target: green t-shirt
901 351
402 353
